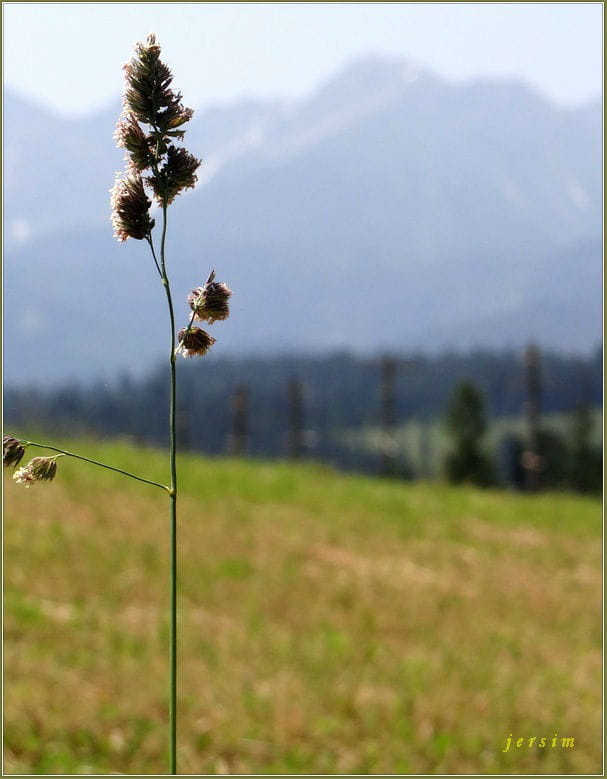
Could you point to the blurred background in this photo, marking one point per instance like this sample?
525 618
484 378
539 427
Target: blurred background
398 182
407 202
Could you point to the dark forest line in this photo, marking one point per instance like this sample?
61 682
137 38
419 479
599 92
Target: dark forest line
258 405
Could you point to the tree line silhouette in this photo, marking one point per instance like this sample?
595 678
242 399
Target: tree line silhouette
299 406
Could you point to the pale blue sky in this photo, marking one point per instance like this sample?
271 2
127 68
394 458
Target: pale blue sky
68 56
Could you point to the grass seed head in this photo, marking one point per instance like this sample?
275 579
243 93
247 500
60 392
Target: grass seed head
148 80
130 207
150 101
194 342
210 303
38 469
177 173
12 451
129 135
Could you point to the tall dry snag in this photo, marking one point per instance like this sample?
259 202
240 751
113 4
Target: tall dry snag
158 169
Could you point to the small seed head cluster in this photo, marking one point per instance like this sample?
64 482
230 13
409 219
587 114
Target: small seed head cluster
194 342
38 469
130 208
208 303
129 135
151 123
12 451
177 173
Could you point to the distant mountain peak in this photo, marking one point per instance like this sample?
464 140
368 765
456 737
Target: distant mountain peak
363 87
388 209
369 74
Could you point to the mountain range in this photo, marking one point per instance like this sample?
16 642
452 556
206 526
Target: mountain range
390 209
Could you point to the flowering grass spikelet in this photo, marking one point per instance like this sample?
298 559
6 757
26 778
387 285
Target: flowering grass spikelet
38 469
194 342
12 451
177 173
148 83
129 136
130 208
210 302
149 100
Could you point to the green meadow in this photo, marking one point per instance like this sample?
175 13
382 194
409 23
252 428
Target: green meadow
327 623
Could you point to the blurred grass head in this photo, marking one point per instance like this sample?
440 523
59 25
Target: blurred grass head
12 451
38 469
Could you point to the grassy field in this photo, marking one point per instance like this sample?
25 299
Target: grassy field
328 624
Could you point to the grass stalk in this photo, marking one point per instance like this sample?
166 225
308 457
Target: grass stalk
149 100
172 512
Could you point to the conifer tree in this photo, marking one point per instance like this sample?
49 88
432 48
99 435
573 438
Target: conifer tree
467 425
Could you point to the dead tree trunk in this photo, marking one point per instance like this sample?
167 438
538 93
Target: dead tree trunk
388 416
239 440
532 462
295 411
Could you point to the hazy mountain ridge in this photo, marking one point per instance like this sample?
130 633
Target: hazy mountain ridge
388 209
